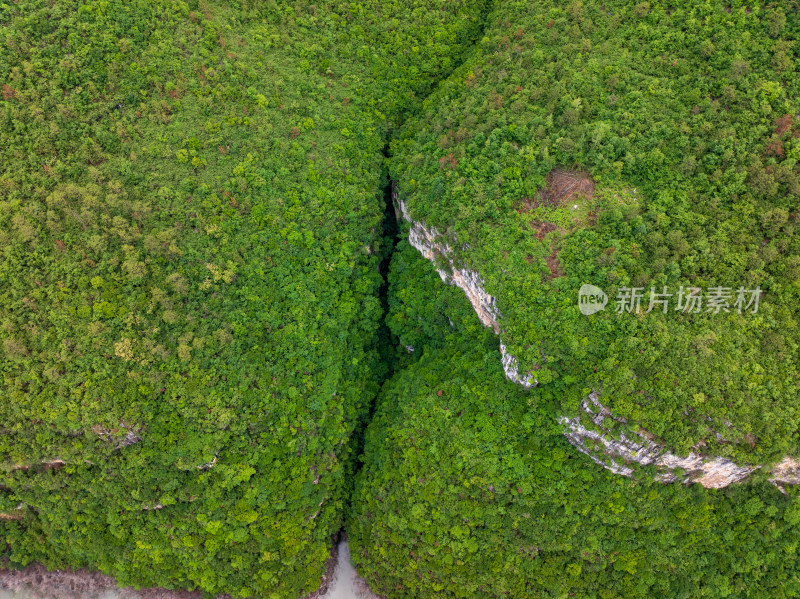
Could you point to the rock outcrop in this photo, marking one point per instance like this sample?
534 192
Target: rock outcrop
434 247
787 472
619 452
511 368
430 243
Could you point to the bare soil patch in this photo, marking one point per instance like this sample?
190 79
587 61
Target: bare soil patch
540 229
783 124
78 584
560 186
553 265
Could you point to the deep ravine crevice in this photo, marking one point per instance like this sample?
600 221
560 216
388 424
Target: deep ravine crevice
387 343
388 346
391 353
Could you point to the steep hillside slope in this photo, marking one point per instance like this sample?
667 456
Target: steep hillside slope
470 490
190 218
649 151
624 146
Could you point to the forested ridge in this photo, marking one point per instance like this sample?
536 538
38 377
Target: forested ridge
676 102
682 129
191 229
216 355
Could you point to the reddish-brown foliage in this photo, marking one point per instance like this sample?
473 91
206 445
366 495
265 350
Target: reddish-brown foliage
449 161
542 229
553 265
775 149
783 124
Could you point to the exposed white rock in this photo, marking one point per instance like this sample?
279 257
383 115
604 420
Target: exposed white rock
472 285
131 437
15 514
787 472
208 465
618 453
431 243
511 368
428 241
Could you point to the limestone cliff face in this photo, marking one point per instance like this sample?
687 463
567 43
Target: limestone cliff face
511 368
618 451
622 451
432 244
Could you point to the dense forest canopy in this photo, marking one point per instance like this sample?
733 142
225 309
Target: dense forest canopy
191 229
469 491
215 354
679 121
